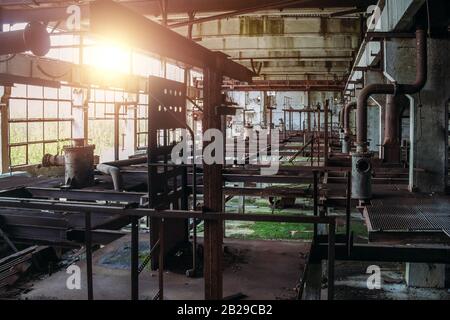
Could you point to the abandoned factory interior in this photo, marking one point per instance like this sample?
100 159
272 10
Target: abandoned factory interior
224 150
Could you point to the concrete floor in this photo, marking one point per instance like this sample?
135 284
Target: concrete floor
351 283
261 270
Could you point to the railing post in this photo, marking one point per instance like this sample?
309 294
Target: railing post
348 211
331 255
134 258
88 244
161 260
315 200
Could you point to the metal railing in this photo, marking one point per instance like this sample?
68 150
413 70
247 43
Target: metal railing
136 213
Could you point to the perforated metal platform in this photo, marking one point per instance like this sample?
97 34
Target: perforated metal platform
412 214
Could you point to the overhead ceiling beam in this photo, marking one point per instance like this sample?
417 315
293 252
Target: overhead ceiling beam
300 52
286 85
113 21
294 58
282 43
251 87
347 12
152 8
183 6
250 9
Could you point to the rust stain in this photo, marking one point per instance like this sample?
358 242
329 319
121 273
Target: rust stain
259 26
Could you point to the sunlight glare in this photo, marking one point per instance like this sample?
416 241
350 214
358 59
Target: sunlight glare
112 58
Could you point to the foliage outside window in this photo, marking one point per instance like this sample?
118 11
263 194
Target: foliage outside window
38 125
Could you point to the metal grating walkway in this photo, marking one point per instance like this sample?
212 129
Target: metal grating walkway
412 214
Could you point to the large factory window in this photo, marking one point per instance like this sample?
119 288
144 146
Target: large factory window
101 123
40 122
141 122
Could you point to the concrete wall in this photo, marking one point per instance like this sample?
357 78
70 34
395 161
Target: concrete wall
373 128
429 114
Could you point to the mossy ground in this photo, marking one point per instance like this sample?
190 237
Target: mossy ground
274 230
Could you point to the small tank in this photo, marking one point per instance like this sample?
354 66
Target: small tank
79 164
345 144
361 176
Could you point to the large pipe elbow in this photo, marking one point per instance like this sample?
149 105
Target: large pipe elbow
348 108
392 89
113 169
115 174
34 38
361 110
421 65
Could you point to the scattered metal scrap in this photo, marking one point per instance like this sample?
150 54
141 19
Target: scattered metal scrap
15 265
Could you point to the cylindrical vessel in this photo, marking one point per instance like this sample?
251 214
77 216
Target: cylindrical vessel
79 165
34 38
361 176
346 144
49 160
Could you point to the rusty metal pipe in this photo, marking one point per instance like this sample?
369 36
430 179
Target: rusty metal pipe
391 143
34 38
341 118
115 174
348 108
391 121
392 89
113 169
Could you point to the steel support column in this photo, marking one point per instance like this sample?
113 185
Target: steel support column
4 125
213 198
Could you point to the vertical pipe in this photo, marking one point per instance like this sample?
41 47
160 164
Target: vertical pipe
88 244
331 255
134 258
348 209
392 117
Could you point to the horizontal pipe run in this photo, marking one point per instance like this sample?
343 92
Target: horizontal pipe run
34 37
